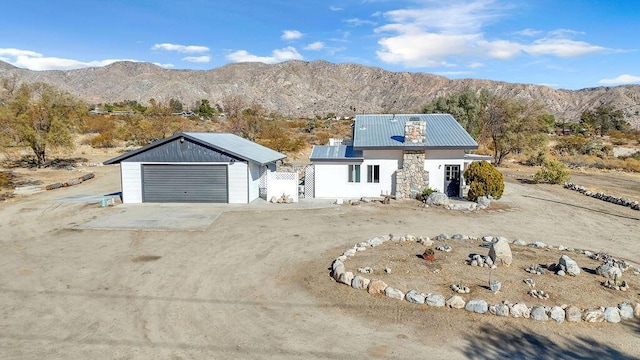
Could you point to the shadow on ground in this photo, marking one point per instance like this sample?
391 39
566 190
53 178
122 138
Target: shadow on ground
512 343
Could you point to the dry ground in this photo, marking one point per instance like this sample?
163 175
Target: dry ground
256 285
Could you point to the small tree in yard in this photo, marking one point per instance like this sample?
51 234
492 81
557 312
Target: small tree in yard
552 172
483 179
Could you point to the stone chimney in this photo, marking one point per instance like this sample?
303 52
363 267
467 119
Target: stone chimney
415 131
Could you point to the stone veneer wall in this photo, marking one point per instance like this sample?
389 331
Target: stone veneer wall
412 178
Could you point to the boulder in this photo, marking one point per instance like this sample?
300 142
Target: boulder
626 311
346 278
539 313
636 310
608 270
499 309
415 297
569 265
434 300
393 293
557 313
455 302
520 310
593 315
500 252
483 202
477 306
573 314
360 282
437 198
612 314
376 287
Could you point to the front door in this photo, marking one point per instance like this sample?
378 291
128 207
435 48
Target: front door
452 180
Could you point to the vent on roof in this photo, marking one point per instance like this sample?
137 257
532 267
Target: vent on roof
393 118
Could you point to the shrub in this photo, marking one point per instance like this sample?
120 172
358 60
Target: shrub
552 172
535 159
104 140
484 180
425 194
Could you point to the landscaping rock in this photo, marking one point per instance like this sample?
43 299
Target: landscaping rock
539 313
360 282
573 314
569 265
593 315
500 252
636 310
477 306
438 199
626 311
499 309
455 302
442 237
434 300
346 278
612 314
393 293
520 310
376 287
519 242
415 297
557 313
483 202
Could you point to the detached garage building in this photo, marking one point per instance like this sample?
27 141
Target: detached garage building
196 168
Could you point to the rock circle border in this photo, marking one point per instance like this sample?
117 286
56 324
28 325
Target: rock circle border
559 313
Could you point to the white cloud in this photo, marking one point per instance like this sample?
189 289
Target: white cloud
279 55
622 79
447 33
562 48
198 59
359 22
187 49
291 35
318 45
335 8
32 60
166 66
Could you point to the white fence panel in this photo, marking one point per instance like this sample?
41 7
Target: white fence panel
280 183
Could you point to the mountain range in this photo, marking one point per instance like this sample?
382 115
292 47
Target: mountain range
300 88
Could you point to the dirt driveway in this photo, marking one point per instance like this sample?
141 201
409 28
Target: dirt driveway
255 286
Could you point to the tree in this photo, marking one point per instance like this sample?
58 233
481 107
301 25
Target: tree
204 109
175 105
163 122
484 180
513 126
247 123
466 107
43 117
604 119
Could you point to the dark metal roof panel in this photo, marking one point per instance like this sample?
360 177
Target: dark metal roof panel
201 147
387 131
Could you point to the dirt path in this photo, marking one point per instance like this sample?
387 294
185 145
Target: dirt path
255 284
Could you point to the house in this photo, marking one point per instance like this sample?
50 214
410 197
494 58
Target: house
393 154
196 167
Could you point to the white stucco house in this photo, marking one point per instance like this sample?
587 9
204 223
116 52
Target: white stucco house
393 154
199 168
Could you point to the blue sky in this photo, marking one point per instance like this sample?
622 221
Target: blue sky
570 44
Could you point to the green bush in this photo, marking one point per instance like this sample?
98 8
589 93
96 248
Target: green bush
552 172
484 180
425 194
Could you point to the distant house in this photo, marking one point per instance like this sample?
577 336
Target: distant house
397 155
197 167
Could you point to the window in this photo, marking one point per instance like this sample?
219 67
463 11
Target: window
373 173
354 173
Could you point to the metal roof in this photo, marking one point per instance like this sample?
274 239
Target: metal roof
387 131
228 143
335 153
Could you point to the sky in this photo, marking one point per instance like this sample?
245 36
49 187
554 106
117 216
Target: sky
565 44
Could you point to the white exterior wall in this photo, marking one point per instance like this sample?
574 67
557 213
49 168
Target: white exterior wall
238 189
435 161
131 173
254 181
332 179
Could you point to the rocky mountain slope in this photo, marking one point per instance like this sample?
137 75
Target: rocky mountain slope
312 88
